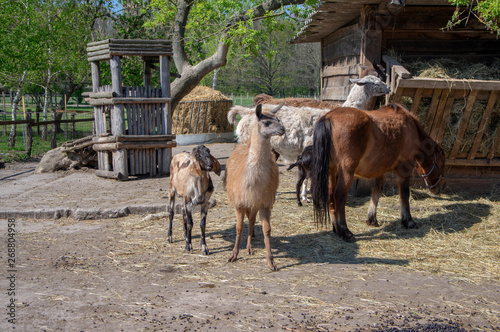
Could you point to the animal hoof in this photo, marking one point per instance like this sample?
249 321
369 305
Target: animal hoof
299 203
232 259
205 251
372 222
250 252
273 267
189 247
169 240
349 238
411 225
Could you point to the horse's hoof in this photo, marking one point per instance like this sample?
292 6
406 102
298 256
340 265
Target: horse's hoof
189 247
411 225
299 203
205 251
349 238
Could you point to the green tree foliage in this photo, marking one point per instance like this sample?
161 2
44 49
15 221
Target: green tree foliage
486 11
204 31
22 42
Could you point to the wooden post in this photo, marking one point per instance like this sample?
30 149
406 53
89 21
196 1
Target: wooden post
65 118
120 159
167 116
53 140
29 133
37 117
96 83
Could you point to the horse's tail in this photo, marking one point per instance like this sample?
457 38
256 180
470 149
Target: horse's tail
322 145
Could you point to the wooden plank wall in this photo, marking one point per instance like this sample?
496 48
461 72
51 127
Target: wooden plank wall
340 59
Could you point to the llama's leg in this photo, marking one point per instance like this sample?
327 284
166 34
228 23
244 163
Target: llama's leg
188 224
252 215
240 216
378 185
343 183
404 201
203 212
171 215
265 218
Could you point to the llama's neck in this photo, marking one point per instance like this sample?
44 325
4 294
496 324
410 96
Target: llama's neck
357 98
259 150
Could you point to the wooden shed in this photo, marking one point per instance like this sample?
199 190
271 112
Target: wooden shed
462 115
132 123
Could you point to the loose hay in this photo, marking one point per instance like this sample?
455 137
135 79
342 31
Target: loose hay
209 115
457 237
447 69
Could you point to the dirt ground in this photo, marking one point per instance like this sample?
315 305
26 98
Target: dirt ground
119 274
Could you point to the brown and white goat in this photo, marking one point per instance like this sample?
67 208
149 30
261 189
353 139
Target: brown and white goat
190 179
252 179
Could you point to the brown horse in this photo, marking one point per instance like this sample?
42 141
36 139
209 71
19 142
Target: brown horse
350 142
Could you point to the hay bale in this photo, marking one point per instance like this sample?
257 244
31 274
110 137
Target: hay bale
203 110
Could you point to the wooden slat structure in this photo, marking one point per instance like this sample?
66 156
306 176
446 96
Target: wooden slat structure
132 123
463 116
464 142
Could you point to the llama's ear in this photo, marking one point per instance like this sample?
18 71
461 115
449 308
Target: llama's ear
258 111
276 109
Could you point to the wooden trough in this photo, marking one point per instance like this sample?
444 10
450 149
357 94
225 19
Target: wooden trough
132 123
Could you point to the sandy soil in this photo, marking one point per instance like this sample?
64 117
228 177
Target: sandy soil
119 274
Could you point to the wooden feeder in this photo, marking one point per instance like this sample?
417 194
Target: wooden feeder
132 123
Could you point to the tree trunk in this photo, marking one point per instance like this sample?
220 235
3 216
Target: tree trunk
45 105
15 103
215 79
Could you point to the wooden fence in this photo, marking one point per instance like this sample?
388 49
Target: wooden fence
55 123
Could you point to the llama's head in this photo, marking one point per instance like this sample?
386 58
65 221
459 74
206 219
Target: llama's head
374 85
269 124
